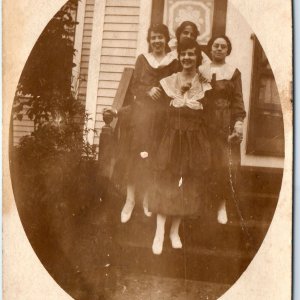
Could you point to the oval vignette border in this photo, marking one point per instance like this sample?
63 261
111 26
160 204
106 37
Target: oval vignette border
21 265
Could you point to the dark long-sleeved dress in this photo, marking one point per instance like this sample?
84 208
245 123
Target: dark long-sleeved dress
142 121
224 107
182 158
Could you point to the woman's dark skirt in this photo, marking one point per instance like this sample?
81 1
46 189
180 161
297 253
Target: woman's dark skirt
181 164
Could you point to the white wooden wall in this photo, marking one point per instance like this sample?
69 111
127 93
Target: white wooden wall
21 128
119 45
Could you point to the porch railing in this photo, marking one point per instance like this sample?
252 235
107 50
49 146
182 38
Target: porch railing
107 137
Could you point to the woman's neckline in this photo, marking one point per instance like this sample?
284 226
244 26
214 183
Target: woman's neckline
212 64
160 58
154 63
182 81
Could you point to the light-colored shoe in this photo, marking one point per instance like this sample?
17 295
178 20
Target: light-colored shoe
175 241
147 212
127 211
157 245
222 216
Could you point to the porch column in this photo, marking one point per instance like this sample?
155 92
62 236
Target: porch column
94 65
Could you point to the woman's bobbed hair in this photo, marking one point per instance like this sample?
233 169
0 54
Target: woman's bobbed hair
184 24
188 43
162 29
225 37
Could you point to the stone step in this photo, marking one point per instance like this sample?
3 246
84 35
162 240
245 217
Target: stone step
258 206
198 232
190 262
213 258
250 206
236 234
211 252
260 180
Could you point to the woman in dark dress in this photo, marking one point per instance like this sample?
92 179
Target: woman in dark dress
183 155
145 116
225 112
188 29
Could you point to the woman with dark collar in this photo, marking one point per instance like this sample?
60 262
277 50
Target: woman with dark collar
225 113
142 118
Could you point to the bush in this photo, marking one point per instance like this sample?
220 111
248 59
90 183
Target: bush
50 159
45 94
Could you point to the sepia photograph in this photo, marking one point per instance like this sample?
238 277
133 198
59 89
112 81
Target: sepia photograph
148 146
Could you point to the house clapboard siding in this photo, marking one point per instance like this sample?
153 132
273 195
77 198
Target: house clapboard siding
21 128
119 45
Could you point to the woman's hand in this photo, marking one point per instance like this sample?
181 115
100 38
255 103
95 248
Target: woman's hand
202 79
155 93
238 129
237 134
234 138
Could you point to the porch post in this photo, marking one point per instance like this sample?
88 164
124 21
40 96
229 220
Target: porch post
94 65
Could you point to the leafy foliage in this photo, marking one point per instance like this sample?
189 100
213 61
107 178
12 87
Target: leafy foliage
46 95
55 140
46 78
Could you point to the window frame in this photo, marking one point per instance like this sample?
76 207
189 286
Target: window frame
255 107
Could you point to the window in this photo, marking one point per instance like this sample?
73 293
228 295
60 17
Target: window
265 134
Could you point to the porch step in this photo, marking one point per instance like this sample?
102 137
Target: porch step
217 253
211 252
193 262
258 206
261 180
198 232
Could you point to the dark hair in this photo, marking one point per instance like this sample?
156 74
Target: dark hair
188 43
184 24
160 28
212 40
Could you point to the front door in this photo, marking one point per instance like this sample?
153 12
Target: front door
208 15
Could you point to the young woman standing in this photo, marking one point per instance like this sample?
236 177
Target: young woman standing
183 155
224 113
144 116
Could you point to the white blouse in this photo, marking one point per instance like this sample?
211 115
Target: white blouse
172 86
223 72
158 64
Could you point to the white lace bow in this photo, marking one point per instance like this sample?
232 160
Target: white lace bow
172 87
